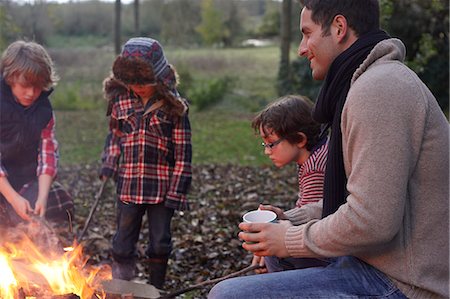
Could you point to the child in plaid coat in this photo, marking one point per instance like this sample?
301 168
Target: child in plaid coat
148 152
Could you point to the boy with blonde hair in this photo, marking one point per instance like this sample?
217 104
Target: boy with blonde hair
28 148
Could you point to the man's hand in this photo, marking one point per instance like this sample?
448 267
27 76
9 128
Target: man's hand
266 239
276 210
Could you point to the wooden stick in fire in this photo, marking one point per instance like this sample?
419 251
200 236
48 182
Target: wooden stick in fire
92 211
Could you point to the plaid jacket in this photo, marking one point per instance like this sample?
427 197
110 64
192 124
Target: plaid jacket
149 154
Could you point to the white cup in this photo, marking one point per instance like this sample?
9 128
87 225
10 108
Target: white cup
259 216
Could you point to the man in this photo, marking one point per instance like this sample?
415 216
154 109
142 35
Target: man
385 215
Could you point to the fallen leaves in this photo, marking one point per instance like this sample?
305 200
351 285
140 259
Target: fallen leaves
205 239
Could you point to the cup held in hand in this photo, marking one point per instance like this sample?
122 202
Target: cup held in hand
260 216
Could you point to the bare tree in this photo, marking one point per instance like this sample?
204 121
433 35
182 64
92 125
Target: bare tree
284 69
117 27
136 17
286 33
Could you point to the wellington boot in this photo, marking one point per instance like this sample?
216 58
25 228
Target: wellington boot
124 271
158 268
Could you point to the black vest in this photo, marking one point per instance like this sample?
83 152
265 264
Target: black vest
20 134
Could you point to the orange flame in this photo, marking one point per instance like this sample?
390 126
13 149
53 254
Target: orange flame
24 266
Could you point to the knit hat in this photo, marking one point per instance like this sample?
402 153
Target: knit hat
150 52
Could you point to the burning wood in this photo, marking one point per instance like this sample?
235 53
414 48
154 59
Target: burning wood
34 263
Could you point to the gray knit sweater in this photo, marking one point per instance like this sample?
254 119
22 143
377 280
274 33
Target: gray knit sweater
396 156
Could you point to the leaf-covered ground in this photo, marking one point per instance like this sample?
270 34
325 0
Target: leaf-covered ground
205 239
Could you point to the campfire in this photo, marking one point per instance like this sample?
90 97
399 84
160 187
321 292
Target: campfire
34 264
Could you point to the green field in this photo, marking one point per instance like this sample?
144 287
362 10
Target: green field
221 133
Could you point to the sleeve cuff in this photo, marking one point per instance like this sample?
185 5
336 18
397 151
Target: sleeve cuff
108 172
305 214
297 216
294 242
176 203
50 172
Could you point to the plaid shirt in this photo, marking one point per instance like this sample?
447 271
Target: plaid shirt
149 154
48 152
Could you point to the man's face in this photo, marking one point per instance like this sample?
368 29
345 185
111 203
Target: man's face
320 50
25 94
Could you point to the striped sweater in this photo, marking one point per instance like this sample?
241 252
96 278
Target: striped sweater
311 176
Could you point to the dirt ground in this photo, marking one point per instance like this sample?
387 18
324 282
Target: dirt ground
205 239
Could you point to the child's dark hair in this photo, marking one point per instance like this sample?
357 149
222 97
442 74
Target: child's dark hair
286 117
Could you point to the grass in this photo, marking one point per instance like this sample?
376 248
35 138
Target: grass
220 135
253 71
81 135
217 138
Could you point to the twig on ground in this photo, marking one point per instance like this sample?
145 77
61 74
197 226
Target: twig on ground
211 281
92 211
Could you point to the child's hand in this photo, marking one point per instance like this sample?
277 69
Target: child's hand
276 210
259 260
21 206
40 207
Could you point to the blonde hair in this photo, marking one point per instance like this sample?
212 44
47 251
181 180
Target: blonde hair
28 63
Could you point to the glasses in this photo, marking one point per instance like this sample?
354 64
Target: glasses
272 144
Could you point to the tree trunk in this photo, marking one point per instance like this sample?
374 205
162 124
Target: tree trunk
117 26
136 17
284 76
285 33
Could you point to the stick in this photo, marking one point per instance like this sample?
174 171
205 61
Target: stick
92 211
212 281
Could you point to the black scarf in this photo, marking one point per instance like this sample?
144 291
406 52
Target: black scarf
328 110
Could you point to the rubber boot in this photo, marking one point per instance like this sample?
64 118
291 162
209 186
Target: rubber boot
158 268
124 270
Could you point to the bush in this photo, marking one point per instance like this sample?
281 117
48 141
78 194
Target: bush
209 92
300 81
77 96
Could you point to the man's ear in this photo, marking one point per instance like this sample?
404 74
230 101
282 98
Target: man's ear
340 28
303 140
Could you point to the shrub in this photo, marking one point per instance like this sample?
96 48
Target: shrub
209 92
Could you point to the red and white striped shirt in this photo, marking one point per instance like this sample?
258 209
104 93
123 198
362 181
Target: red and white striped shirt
311 176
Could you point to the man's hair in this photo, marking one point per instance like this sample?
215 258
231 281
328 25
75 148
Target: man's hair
362 15
27 63
286 117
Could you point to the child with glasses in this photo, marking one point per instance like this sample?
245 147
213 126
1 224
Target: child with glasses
290 135
148 152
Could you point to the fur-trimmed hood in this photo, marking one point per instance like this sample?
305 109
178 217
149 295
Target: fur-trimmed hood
112 88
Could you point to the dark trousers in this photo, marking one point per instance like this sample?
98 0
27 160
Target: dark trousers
129 221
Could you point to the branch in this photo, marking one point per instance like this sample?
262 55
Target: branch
212 281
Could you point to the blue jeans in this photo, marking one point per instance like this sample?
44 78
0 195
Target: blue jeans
346 277
276 264
129 221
